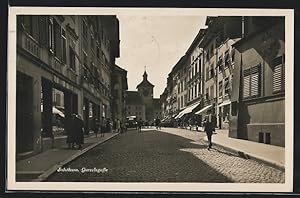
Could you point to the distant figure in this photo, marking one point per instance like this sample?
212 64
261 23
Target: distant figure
140 123
118 126
96 126
70 132
157 123
209 127
107 125
102 127
78 128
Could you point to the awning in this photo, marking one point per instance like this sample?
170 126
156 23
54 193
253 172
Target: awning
179 115
188 109
224 103
203 109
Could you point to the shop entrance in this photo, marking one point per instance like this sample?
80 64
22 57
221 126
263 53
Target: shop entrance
24 117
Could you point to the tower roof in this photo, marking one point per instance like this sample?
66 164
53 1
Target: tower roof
145 82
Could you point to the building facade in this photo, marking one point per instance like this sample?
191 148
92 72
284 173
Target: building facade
119 84
61 55
259 82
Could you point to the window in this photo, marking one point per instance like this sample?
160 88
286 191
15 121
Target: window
51 34
251 82
192 92
199 65
227 59
212 92
212 73
220 63
43 25
31 25
226 85
72 58
64 47
207 73
196 68
221 88
278 74
207 94
199 89
58 48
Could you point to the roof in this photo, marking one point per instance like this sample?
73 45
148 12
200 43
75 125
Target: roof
145 82
133 98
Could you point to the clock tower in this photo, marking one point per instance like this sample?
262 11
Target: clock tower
145 90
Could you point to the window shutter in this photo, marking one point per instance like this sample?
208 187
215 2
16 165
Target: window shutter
278 74
43 34
255 80
64 47
277 78
246 88
57 40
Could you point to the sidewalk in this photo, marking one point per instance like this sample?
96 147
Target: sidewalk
41 166
269 154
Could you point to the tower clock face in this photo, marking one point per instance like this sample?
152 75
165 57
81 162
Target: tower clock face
145 92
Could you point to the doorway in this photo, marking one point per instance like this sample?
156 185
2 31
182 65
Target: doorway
24 114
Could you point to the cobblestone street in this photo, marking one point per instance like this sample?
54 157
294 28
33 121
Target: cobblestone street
169 155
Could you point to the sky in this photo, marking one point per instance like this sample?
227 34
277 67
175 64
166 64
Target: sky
157 43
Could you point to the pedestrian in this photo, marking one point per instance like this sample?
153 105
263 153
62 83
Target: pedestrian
78 128
209 128
140 123
69 131
107 125
118 126
157 123
96 126
102 127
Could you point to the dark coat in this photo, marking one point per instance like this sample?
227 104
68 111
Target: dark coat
209 127
78 130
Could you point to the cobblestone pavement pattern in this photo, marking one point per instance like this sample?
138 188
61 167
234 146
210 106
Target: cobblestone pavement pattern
170 155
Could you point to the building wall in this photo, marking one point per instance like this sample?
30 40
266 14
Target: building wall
264 112
49 49
224 74
136 110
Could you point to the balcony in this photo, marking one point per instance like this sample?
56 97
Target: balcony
30 45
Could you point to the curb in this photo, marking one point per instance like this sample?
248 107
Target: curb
51 170
245 155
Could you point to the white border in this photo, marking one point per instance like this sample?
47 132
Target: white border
173 187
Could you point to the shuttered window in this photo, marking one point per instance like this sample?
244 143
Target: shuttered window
221 88
42 27
64 47
251 82
51 34
226 85
278 74
57 40
72 58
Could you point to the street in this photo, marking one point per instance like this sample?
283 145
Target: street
169 155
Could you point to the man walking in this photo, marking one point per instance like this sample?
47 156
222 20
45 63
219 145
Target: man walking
209 127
